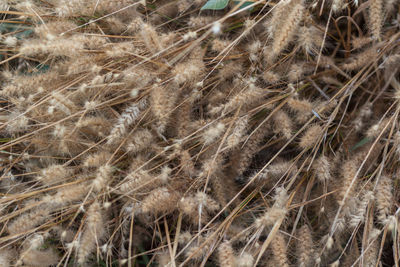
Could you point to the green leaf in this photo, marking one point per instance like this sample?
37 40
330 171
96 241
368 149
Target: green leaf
245 4
215 4
360 144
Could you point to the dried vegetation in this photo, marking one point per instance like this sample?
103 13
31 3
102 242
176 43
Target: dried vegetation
139 133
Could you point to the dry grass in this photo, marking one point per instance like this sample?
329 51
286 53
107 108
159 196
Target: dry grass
139 133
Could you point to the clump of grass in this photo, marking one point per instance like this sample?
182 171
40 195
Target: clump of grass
139 133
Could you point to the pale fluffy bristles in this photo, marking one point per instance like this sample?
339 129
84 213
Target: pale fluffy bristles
338 5
365 112
390 6
200 21
6 256
197 252
159 200
284 33
28 220
238 132
115 25
188 72
54 174
150 38
223 189
244 157
163 259
91 105
118 5
66 195
66 142
162 103
57 47
191 70
377 128
246 97
135 25
119 50
335 264
137 76
322 169
279 251
93 232
62 103
370 256
324 107
142 181
187 163
137 180
96 160
189 207
213 132
226 256
66 8
277 169
254 49
358 209
304 247
302 107
23 85
310 38
4 6
140 140
102 79
97 126
190 36
328 240
91 42
245 260
360 60
103 177
184 5
270 77
296 72
384 198
10 41
376 16
40 258
280 12
184 114
17 123
283 123
311 136
229 70
52 29
218 45
275 172
164 174
276 212
127 118
241 101
184 237
207 202
210 167
348 172
360 42
82 64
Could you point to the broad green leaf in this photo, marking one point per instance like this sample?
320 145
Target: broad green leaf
245 4
215 4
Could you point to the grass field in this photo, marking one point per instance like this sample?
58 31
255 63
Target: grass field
199 133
